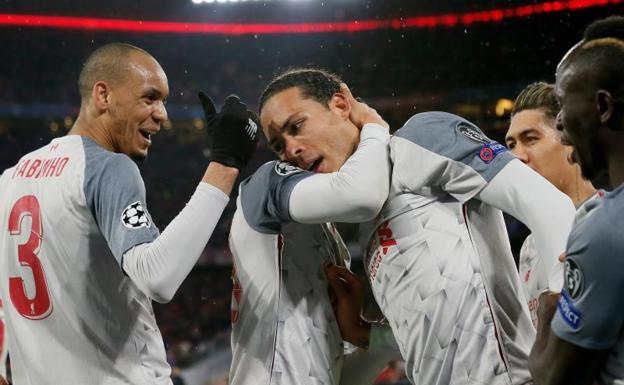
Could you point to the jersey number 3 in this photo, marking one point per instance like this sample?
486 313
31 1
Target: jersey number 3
38 306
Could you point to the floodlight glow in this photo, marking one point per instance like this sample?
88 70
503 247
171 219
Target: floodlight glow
448 20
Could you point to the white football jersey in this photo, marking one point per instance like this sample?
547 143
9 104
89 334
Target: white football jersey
440 263
534 272
283 326
69 211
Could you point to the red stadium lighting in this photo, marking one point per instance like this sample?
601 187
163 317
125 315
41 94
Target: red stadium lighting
448 20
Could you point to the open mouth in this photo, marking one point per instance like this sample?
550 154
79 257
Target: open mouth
146 134
314 166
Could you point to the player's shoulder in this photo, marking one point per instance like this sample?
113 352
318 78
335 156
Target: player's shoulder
433 125
601 234
271 174
99 160
264 196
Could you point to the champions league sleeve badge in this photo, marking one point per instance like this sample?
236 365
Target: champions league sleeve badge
472 133
134 216
573 276
285 168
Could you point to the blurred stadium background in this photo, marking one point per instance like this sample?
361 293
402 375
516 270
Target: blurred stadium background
401 56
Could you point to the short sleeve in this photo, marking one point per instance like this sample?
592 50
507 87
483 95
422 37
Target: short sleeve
265 196
438 152
115 195
590 311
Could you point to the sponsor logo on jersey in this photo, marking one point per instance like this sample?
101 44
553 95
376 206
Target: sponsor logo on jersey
471 132
382 244
573 276
285 168
570 314
489 151
134 216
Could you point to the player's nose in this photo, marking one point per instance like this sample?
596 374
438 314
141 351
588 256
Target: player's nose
160 113
293 149
520 152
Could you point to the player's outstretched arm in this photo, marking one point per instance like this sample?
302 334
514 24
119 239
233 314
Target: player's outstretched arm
357 192
524 194
159 267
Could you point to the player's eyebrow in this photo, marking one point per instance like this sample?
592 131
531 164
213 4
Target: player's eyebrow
521 134
528 131
153 92
287 123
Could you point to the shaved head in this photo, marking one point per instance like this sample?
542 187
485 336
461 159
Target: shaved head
108 63
600 61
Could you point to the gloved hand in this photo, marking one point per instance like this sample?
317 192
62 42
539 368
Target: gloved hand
233 132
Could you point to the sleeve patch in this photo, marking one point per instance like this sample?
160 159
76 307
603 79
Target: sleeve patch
134 216
285 168
570 314
472 133
489 151
573 276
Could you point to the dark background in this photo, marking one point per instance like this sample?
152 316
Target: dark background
464 69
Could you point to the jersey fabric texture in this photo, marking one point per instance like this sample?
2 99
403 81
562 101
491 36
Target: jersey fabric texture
533 272
283 326
440 263
72 209
591 308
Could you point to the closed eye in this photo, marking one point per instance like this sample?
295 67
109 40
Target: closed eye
295 127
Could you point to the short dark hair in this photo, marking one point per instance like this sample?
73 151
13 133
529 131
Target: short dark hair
612 26
316 84
105 63
537 96
602 60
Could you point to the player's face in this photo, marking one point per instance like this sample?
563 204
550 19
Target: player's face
137 106
308 134
579 120
532 137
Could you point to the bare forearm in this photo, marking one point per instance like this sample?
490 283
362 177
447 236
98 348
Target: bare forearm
221 177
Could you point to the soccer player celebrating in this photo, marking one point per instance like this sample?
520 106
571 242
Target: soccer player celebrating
283 326
81 259
439 260
579 336
533 138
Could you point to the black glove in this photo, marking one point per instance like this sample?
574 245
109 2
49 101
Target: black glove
233 132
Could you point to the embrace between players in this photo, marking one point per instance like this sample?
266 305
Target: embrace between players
448 297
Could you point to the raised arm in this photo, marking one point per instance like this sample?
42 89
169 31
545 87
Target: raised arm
159 265
357 192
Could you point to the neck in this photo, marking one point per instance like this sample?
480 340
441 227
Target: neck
580 189
93 128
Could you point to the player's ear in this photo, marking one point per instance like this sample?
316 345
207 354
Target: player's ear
340 105
100 95
605 106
